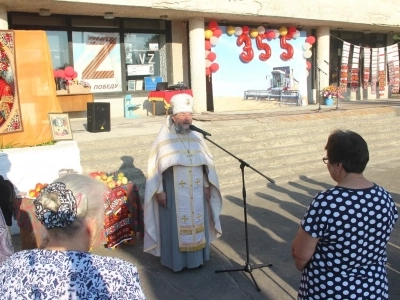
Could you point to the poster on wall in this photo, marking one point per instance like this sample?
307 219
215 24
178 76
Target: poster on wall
137 70
10 112
97 60
246 65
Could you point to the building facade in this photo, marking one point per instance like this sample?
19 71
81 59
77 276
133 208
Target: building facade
125 47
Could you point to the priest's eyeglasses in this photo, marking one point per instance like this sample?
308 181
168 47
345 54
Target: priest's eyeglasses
325 160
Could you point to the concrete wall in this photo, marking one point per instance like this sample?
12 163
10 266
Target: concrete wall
356 11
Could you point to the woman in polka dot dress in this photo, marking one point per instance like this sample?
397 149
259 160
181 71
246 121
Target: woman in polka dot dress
341 243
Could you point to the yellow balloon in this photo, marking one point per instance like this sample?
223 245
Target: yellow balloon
253 33
230 30
208 34
283 31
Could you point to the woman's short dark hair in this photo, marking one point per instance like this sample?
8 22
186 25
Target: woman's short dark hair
349 148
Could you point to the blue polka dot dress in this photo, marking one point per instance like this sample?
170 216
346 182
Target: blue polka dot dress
354 226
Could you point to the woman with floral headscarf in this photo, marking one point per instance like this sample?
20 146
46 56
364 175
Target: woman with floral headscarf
72 210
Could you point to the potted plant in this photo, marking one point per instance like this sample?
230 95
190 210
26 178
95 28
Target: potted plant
330 94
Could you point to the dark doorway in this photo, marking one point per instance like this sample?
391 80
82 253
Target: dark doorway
210 98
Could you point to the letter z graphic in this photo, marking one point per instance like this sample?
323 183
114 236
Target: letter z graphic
91 72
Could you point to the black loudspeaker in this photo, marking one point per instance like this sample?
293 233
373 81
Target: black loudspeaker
98 117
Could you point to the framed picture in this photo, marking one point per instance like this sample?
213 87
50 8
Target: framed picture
60 126
131 85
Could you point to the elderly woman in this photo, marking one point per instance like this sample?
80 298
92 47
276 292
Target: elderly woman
72 210
340 246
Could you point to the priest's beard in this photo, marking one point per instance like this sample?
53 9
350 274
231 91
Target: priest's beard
181 129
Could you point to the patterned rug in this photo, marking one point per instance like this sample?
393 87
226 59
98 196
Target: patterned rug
123 215
10 113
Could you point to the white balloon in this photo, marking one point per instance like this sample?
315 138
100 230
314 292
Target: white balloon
206 53
296 34
261 29
307 54
238 31
277 33
214 40
306 46
208 63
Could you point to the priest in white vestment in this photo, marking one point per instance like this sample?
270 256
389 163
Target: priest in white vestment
182 198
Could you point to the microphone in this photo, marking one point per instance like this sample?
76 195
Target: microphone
194 128
326 62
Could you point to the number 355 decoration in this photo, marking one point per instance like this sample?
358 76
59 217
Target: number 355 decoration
262 36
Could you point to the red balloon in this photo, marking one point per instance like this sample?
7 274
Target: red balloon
69 71
310 39
75 75
288 36
208 71
245 29
60 73
68 78
248 53
214 67
207 45
270 35
211 56
289 49
263 46
292 30
308 65
217 32
213 25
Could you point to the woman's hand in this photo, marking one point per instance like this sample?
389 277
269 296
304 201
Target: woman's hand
303 248
162 198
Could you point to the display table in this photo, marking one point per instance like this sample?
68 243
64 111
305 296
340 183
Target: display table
165 96
123 218
74 102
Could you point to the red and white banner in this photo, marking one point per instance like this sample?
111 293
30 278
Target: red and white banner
381 71
97 60
367 67
355 68
345 65
374 70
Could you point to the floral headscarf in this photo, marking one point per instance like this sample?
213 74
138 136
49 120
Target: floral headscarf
66 212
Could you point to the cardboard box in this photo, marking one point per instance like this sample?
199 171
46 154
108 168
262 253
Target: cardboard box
61 92
78 89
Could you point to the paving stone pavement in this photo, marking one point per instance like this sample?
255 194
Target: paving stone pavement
273 210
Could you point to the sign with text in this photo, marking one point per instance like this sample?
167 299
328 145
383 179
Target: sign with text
150 83
136 70
97 60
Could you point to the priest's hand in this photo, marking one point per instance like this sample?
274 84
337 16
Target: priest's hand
208 193
162 198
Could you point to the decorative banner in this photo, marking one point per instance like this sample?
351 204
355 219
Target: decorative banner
10 113
97 56
367 64
355 68
374 70
393 64
345 65
381 70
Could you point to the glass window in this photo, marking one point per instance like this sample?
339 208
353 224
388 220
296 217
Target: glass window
144 58
99 22
144 24
58 44
24 19
97 60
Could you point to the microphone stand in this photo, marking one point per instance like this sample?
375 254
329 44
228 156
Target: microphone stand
319 88
248 268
